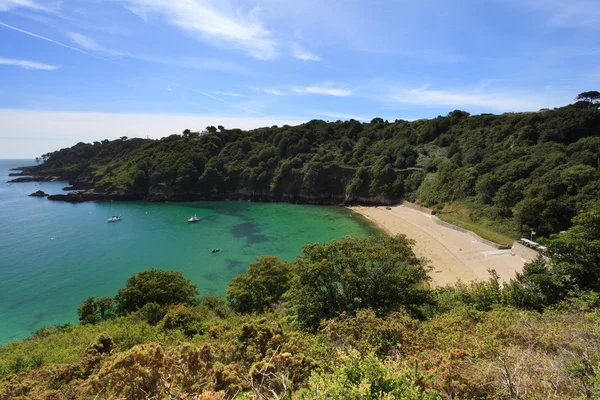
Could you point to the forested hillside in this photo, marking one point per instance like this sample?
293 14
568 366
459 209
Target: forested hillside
524 171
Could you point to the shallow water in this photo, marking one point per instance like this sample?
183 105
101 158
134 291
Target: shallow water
55 254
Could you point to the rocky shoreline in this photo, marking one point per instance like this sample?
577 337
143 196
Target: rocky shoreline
84 193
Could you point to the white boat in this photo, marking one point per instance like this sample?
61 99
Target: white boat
114 218
194 219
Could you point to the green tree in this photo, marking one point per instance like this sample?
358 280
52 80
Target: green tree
351 274
591 97
262 286
92 310
575 254
155 286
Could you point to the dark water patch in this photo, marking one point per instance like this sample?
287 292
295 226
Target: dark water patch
236 266
249 231
212 277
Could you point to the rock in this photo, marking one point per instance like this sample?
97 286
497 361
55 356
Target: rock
31 179
39 193
69 198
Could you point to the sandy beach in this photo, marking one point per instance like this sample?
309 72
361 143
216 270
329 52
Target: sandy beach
454 255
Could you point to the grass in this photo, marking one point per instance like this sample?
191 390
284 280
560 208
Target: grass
459 215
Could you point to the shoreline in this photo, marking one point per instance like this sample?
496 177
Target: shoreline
455 256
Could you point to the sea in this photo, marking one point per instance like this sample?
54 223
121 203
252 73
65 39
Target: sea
55 254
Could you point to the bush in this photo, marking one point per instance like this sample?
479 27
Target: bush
155 286
262 286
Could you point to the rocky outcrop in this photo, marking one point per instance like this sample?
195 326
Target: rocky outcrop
31 179
39 193
81 197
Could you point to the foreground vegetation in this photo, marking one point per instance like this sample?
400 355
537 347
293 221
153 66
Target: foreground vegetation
348 320
511 173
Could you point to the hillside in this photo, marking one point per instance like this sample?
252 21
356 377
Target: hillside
352 319
512 172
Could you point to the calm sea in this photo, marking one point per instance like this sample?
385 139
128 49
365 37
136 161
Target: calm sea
54 254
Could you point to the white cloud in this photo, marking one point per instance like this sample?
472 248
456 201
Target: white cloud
215 23
89 44
327 89
497 101
340 115
27 64
30 129
228 103
231 94
42 38
276 92
304 55
84 41
7 5
169 89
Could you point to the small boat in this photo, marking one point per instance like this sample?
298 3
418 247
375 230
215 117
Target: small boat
114 218
194 219
215 250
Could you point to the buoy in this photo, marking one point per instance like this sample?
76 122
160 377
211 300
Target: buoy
437 271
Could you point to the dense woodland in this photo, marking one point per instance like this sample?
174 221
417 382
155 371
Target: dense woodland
352 319
514 171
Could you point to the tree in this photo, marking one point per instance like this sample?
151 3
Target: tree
93 311
591 97
155 286
575 254
353 273
262 286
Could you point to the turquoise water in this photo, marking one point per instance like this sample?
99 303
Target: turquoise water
54 254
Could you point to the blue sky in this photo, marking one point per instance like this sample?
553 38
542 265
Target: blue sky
82 70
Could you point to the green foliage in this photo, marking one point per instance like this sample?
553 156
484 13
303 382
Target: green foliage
262 286
352 274
155 286
535 170
365 378
93 311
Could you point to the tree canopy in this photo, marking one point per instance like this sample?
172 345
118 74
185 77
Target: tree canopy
382 274
262 286
155 286
525 171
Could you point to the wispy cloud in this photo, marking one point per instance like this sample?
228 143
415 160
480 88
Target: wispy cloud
231 94
340 115
43 38
231 104
497 101
27 64
304 55
90 44
215 23
326 88
276 92
7 5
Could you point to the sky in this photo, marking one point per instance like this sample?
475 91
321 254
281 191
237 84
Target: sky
85 70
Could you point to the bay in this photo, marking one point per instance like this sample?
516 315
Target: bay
55 254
